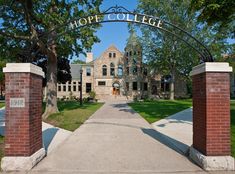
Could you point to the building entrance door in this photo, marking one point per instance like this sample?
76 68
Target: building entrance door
116 88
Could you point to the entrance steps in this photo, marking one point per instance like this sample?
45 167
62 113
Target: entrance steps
113 98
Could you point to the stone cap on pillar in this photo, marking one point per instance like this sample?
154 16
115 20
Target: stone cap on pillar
23 68
211 67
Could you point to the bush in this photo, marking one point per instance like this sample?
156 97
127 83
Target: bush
92 95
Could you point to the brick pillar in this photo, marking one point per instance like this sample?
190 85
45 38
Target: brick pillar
23 131
211 116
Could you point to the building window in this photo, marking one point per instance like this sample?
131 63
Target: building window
127 71
88 71
69 88
120 70
64 88
114 55
110 55
59 88
127 60
135 69
130 53
112 69
127 86
145 86
74 88
134 86
127 54
79 86
145 72
88 87
104 70
101 83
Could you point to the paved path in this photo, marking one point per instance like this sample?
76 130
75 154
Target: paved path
178 129
115 140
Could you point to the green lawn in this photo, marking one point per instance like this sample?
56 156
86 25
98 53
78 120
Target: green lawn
155 110
2 104
72 115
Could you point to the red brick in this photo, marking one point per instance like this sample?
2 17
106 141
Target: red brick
211 113
23 125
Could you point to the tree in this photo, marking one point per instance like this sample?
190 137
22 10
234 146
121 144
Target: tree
78 61
28 24
220 12
2 77
167 55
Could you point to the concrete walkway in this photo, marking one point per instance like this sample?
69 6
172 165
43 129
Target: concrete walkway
116 140
178 129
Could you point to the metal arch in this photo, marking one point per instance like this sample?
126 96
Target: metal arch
204 53
116 9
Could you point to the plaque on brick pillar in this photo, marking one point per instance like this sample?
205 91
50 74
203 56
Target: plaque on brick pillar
211 147
23 134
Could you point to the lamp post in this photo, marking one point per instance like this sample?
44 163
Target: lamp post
81 86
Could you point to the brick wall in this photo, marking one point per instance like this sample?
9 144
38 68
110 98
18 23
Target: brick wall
211 113
23 125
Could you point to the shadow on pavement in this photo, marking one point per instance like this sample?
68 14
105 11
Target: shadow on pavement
124 108
48 135
164 139
168 141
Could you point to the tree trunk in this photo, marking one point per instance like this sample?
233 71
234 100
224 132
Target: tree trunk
51 94
172 86
1 89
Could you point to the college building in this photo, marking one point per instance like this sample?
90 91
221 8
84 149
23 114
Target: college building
116 74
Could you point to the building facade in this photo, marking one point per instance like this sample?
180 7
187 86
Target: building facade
115 74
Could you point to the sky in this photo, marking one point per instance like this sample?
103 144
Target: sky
112 33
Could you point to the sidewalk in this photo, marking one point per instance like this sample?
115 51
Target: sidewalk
116 140
178 130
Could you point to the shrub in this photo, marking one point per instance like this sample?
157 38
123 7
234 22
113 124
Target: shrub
92 95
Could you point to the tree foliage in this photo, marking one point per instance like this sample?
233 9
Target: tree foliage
165 53
35 29
78 61
220 12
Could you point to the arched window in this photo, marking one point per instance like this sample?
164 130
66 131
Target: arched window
104 70
120 70
112 69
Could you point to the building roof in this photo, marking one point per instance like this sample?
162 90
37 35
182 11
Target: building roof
133 39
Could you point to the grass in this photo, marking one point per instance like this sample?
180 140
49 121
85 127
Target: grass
72 115
155 110
2 104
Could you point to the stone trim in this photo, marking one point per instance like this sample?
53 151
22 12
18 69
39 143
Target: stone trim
211 162
211 67
11 163
23 67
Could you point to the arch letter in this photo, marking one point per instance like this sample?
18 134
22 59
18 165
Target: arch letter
109 17
123 16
